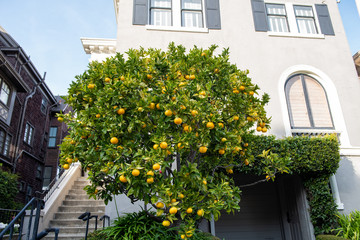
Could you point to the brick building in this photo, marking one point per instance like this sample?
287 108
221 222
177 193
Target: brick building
26 105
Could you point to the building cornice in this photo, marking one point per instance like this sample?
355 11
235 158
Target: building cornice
116 7
356 58
99 45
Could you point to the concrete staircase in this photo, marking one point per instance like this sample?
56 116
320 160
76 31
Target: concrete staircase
76 203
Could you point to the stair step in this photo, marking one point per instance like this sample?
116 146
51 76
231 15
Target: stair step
75 215
70 223
51 236
76 230
77 197
76 191
90 203
79 187
81 209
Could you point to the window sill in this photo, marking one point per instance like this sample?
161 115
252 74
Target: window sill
176 29
296 35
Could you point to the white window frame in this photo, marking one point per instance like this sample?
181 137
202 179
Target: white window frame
29 134
292 23
176 14
268 15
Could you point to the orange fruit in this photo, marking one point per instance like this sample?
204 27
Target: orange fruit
210 125
150 173
66 166
173 200
173 98
259 129
178 121
122 78
194 113
187 128
135 172
182 107
168 113
189 210
180 146
221 151
216 70
202 149
192 77
121 111
122 179
230 171
204 182
173 210
152 106
155 146
91 86
182 236
156 166
202 93
267 177
187 77
181 196
251 92
242 88
158 106
203 54
150 180
262 124
60 119
166 223
250 119
221 125
223 139
264 129
246 162
69 160
96 191
97 115
160 205
200 212
163 145
72 142
148 76
114 140
236 118
140 109
236 91
246 144
107 79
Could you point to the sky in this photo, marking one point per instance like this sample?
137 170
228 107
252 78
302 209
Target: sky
49 31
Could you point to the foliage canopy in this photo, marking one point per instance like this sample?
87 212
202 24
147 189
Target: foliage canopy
166 128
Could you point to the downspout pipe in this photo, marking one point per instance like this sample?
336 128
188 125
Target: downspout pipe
22 118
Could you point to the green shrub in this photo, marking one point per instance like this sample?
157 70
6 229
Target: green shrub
329 237
8 189
349 225
139 226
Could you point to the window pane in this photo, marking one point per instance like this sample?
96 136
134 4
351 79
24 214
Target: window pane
2 140
191 4
296 97
5 92
318 104
7 146
160 17
306 25
53 131
303 11
278 24
161 3
26 132
31 130
275 9
192 19
52 142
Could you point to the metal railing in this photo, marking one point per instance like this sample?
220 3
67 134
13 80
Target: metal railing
86 216
35 204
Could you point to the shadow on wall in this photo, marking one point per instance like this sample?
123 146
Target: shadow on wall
348 180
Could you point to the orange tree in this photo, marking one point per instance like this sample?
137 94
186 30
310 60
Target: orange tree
166 128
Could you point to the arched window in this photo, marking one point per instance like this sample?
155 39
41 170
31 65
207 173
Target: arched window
307 103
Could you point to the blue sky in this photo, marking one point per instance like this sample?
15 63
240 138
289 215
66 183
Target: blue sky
49 31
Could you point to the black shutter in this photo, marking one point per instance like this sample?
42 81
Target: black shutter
213 14
259 15
324 19
140 12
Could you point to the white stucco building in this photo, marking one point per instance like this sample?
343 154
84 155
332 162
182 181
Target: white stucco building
296 50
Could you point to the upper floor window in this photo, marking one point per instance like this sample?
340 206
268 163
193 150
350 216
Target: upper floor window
191 13
294 19
43 105
277 19
305 19
177 13
29 132
52 137
160 12
5 95
307 103
5 140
